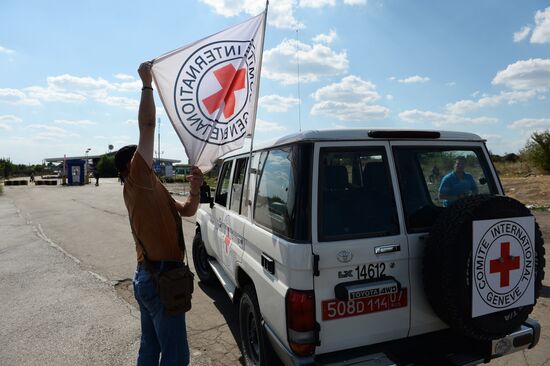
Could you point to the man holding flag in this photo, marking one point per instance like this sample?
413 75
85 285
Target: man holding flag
154 216
209 90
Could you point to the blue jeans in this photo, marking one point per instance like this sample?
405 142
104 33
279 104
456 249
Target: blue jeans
162 336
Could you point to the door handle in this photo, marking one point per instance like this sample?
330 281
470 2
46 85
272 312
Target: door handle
387 249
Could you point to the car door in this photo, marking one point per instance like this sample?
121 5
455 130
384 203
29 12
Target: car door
362 284
220 222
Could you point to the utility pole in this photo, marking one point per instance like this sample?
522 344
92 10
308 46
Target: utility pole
159 141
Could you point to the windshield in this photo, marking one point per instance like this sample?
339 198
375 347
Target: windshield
432 178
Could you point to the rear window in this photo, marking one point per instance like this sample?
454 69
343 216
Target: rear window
356 198
431 179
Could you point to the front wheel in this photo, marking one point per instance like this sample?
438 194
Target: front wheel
200 259
255 346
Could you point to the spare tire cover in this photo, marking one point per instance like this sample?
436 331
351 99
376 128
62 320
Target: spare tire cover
447 267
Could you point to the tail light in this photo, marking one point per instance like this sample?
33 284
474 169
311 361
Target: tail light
300 320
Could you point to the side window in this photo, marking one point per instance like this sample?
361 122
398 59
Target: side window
432 178
238 184
355 194
274 204
223 184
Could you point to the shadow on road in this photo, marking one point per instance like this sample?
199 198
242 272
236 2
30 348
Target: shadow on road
545 291
227 308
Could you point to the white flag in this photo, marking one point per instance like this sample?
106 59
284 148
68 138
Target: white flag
210 90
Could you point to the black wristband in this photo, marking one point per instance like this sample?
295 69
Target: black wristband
146 87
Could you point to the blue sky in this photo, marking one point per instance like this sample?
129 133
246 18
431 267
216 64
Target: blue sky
69 79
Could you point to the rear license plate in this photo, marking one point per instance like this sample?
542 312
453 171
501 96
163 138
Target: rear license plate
336 309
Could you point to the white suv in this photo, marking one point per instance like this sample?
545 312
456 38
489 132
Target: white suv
372 248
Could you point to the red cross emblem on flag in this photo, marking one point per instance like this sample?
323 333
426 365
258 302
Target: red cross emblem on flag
231 80
504 264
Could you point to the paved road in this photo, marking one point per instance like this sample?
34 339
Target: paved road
90 226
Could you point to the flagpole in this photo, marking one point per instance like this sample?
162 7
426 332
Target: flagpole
249 202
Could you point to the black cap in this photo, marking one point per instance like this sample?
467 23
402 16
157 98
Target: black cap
123 156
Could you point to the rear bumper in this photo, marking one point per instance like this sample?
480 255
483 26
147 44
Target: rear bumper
443 348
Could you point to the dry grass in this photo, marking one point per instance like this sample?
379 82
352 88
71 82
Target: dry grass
531 190
517 169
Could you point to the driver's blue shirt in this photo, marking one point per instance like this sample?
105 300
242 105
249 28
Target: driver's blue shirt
452 185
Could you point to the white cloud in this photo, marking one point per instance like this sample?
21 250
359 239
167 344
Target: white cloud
83 122
47 128
350 111
5 126
130 86
349 100
280 15
510 97
16 96
351 89
414 79
277 103
522 34
50 133
123 102
440 119
53 95
10 118
451 83
322 3
6 51
80 83
316 3
125 77
265 126
355 2
132 122
389 97
531 123
541 33
325 38
532 74
316 61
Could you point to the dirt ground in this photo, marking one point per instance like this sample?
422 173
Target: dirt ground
532 190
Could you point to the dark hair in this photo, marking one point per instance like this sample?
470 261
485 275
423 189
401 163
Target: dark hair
123 156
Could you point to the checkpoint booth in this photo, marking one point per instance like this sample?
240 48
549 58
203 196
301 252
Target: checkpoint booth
76 171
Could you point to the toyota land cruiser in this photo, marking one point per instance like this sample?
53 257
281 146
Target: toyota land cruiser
372 247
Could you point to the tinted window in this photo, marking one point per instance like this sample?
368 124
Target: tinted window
355 194
431 179
238 184
274 205
223 184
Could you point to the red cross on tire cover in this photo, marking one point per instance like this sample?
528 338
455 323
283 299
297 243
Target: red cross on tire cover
483 265
503 264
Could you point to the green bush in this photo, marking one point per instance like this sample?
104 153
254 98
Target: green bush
537 150
106 167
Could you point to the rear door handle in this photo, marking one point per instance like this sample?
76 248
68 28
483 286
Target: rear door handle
387 249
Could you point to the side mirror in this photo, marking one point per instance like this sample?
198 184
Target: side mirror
482 180
211 201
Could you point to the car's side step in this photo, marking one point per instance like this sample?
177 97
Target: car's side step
227 284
